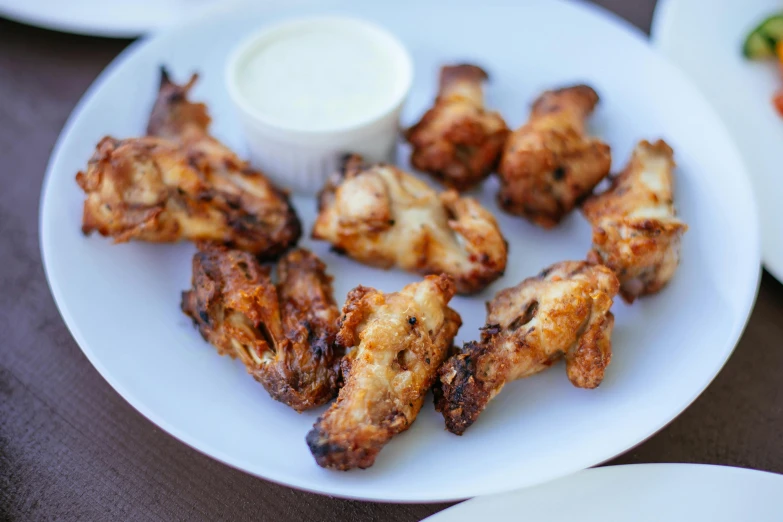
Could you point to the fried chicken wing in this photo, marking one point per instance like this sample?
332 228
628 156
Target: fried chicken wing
283 334
384 217
636 231
181 183
561 313
549 165
395 343
458 141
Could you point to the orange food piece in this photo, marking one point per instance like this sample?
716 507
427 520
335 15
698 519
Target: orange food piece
778 101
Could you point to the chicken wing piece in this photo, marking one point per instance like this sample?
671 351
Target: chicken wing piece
183 184
636 231
458 141
562 312
175 117
549 165
395 343
284 334
384 217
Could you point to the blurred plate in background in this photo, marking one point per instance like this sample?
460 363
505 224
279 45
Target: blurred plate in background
704 38
111 18
641 492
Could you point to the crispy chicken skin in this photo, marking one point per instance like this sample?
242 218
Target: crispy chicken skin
175 117
549 165
562 312
394 345
284 334
636 231
458 141
181 183
384 217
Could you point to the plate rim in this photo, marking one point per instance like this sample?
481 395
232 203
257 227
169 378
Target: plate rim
23 16
623 470
748 300
10 10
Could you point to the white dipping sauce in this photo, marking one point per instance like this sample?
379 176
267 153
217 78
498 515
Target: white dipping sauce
307 91
320 79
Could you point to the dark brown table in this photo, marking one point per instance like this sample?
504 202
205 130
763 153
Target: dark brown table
72 448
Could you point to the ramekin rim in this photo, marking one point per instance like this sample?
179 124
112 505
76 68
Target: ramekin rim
245 46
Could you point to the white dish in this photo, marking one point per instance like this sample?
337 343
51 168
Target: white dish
641 492
292 86
704 38
111 18
121 302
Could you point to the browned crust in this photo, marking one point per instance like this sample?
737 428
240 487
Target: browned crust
227 281
183 184
451 74
307 373
388 344
488 256
458 141
549 165
172 114
284 334
643 252
385 230
638 264
587 362
581 98
515 345
461 398
123 174
350 166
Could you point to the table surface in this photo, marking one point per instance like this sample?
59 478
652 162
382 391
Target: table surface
72 448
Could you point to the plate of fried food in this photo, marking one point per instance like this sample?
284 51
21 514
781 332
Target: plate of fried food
440 260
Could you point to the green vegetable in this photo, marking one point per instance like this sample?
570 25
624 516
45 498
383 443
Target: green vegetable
761 42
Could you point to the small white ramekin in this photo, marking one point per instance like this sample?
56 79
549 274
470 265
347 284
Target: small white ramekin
299 158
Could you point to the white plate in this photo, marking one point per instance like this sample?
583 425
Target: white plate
122 302
641 492
704 38
112 18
